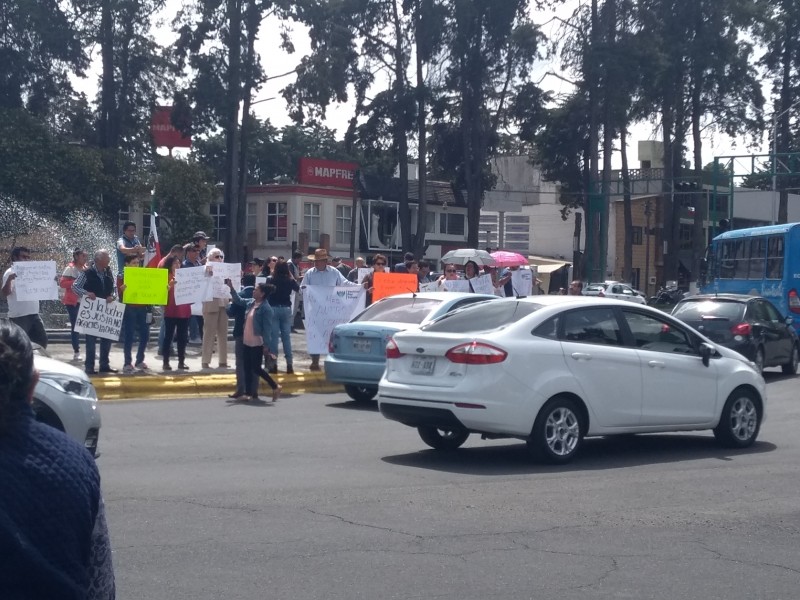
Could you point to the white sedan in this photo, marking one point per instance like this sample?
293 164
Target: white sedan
616 290
553 369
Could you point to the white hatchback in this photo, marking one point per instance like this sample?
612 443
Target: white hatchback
616 290
553 369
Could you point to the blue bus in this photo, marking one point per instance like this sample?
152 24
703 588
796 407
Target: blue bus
763 261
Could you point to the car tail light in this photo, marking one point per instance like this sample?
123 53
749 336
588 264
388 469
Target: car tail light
331 345
476 353
742 329
392 351
794 301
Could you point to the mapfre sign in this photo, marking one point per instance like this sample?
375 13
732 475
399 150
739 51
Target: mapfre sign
318 171
164 132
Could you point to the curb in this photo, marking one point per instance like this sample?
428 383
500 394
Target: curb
157 387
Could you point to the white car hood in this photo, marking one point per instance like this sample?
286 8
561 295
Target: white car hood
51 365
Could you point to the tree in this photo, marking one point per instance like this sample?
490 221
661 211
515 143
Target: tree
183 191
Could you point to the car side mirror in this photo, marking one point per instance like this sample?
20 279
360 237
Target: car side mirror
706 352
789 320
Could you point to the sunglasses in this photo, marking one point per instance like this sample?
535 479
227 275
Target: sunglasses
273 260
449 270
380 264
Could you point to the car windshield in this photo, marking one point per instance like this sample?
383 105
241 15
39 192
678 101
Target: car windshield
713 309
486 316
399 310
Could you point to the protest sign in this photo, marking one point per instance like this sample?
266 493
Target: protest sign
522 282
482 284
261 280
100 318
145 285
326 307
456 285
192 285
36 280
363 272
433 286
221 272
389 284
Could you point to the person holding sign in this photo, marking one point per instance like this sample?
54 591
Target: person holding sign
176 319
379 265
97 282
24 313
128 244
134 322
215 319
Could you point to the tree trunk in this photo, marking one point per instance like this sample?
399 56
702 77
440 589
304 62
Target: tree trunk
108 91
787 97
233 95
698 197
418 245
593 226
627 258
401 129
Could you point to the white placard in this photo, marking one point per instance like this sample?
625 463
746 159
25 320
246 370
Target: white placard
326 307
363 272
456 285
36 280
192 285
522 282
221 272
261 280
482 284
433 286
100 318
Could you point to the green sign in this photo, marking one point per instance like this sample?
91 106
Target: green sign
145 285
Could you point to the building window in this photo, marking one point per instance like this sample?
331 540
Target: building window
145 228
220 220
344 220
277 221
311 217
686 233
122 216
252 216
636 236
451 223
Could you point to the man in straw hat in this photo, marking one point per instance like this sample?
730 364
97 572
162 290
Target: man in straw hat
322 274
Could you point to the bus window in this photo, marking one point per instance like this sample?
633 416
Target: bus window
775 258
727 260
740 259
757 253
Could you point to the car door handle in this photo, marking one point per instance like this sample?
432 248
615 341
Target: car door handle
581 356
655 364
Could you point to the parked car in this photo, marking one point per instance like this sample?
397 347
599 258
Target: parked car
357 350
751 325
616 290
65 398
552 370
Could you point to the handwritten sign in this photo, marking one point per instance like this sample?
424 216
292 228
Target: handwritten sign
522 282
433 286
326 307
192 285
389 284
363 272
100 318
456 285
482 284
145 285
221 272
36 280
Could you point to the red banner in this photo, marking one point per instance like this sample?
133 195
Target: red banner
164 132
318 171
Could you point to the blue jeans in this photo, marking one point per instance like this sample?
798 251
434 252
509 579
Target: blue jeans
135 322
196 328
282 327
105 348
72 311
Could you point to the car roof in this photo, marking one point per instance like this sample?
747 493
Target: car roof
725 297
439 295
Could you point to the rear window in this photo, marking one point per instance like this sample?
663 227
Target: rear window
718 309
399 310
486 316
595 288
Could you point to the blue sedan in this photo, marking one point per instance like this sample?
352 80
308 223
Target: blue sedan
356 350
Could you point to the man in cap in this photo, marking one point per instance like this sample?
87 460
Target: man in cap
322 274
200 239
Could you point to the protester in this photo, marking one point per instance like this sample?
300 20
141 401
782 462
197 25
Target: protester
97 282
450 274
281 302
403 266
128 244
322 274
257 325
134 323
294 264
192 259
352 274
176 321
176 251
424 274
53 535
70 299
336 263
24 313
379 265
237 312
200 239
576 288
215 319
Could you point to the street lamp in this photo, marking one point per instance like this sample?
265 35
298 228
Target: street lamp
775 161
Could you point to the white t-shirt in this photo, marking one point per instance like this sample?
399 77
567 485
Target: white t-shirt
18 308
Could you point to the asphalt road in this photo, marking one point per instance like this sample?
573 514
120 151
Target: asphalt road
315 498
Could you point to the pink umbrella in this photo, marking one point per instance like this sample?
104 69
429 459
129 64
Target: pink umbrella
503 258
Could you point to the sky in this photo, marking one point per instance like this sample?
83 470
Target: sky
268 102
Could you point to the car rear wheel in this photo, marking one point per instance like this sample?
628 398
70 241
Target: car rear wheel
361 393
740 420
443 439
790 368
558 431
759 360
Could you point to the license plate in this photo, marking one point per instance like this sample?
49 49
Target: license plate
423 365
362 346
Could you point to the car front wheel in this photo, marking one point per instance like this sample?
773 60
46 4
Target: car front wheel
361 393
558 431
740 420
790 368
443 439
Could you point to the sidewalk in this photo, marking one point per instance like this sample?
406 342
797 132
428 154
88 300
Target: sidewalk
194 383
